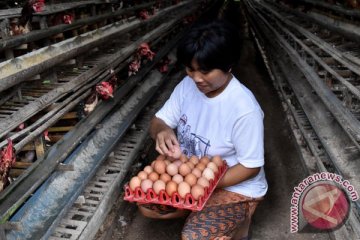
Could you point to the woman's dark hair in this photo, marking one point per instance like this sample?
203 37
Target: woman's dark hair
214 45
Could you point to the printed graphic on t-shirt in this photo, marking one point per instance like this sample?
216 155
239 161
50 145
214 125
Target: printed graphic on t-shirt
190 143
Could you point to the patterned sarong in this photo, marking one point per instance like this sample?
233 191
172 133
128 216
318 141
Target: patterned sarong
223 217
226 215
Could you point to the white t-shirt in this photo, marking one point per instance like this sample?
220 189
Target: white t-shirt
229 124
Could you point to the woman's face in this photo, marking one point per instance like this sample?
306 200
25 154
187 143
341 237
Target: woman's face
212 82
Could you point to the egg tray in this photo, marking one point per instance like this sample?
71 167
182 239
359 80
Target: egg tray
175 200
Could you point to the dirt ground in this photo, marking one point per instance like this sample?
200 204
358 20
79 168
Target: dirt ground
283 170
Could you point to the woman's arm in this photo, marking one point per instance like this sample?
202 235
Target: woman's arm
164 137
237 174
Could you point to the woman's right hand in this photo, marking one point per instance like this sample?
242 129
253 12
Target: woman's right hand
166 142
164 136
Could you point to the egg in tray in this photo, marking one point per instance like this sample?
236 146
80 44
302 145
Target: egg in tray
185 183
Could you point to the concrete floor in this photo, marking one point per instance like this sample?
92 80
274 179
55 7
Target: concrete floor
283 169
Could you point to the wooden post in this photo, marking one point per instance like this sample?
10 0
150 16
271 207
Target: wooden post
5 33
39 147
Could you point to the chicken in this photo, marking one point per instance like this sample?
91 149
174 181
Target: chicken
143 14
23 24
134 66
28 157
68 18
7 159
105 89
30 7
91 102
163 65
61 18
17 29
46 136
144 50
20 127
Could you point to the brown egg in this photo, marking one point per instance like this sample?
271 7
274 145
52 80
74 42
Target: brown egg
203 182
161 157
148 169
171 187
178 178
194 159
197 191
153 176
190 164
213 167
217 160
190 179
177 152
172 169
196 172
152 164
208 174
160 166
142 175
183 189
167 161
165 177
146 184
183 158
205 160
184 169
158 186
134 183
178 163
201 166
